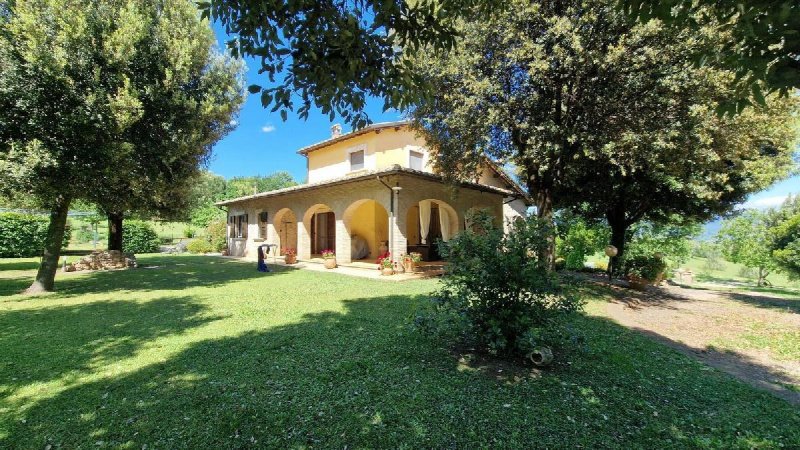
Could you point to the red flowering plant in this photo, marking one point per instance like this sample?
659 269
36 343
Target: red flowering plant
385 260
289 251
328 254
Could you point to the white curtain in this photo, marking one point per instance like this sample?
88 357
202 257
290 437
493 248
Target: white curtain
444 224
424 219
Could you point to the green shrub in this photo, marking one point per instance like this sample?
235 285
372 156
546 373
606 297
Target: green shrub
139 237
648 267
496 295
23 235
199 246
189 232
216 235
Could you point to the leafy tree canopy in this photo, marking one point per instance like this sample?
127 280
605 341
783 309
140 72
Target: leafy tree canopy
334 54
87 87
745 239
765 49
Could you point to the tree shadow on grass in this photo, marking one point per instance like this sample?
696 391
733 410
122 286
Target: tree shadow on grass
364 378
765 301
157 273
10 264
49 343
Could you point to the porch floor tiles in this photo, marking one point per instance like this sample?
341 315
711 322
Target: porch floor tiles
356 268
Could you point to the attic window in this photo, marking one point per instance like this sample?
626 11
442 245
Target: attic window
415 160
357 160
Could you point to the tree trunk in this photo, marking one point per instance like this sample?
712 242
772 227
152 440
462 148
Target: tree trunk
115 231
544 211
46 276
618 231
762 277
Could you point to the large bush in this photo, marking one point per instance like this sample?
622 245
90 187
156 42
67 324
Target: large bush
139 237
497 295
216 234
649 267
198 245
23 235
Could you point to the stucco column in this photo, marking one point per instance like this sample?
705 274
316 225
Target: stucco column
397 231
342 242
303 241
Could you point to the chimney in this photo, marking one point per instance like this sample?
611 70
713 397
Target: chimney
336 131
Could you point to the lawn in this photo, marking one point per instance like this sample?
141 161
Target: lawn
204 352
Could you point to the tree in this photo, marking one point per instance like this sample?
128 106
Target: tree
71 94
209 189
600 114
785 237
188 95
745 240
334 54
765 50
695 168
549 86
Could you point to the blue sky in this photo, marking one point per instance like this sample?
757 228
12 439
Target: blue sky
262 143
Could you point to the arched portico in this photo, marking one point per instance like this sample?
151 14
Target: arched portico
367 224
285 223
427 221
319 222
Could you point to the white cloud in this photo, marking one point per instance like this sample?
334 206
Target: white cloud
268 128
764 203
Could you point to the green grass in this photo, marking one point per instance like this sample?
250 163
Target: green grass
733 273
202 352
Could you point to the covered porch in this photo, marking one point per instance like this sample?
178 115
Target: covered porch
360 218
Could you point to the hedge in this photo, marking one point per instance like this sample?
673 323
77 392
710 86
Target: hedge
139 237
24 235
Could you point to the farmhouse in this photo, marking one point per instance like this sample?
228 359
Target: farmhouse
368 191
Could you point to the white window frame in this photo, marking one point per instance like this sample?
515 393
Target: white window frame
422 152
356 149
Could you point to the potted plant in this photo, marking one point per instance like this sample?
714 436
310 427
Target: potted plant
387 265
290 255
642 271
411 260
329 257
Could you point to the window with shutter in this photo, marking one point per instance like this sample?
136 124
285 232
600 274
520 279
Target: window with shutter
357 160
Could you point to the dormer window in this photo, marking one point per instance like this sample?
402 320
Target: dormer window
415 160
356 160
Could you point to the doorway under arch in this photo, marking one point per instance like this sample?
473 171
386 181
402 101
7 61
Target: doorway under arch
286 228
320 221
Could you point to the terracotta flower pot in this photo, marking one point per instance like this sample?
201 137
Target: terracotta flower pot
387 271
330 263
290 259
409 265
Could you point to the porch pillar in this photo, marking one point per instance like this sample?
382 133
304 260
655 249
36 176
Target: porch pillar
397 227
342 241
303 241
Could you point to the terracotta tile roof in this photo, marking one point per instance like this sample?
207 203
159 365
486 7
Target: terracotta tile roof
365 175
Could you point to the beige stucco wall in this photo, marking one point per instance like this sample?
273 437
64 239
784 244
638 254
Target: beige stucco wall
382 149
347 200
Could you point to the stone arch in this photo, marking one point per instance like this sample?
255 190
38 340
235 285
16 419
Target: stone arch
285 223
413 221
369 220
320 222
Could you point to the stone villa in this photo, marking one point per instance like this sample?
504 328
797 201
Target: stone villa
367 191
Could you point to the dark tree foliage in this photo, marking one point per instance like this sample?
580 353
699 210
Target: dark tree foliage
766 45
333 54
